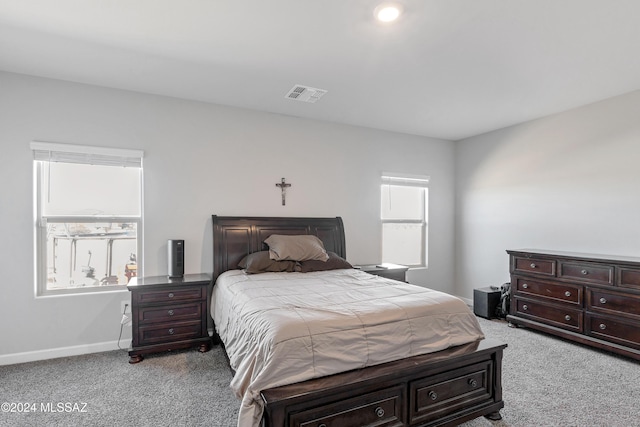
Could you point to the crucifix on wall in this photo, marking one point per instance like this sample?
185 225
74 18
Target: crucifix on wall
283 186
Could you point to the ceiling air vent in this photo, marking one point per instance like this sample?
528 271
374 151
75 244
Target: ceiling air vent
305 93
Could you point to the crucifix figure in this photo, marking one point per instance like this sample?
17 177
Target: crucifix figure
283 186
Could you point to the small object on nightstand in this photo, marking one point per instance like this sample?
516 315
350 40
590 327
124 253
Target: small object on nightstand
175 258
169 314
388 270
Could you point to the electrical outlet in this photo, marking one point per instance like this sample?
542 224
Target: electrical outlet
125 307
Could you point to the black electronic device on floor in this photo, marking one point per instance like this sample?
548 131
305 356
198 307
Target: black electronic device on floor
486 301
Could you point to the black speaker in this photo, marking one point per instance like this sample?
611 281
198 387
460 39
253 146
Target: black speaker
175 258
486 301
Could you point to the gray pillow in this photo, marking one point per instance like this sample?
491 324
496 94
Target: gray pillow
334 262
259 262
300 247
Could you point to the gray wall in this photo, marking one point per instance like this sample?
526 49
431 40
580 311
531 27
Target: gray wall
566 182
200 159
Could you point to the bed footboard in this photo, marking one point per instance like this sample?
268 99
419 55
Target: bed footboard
438 389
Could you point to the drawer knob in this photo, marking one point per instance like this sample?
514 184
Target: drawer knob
603 326
171 331
533 265
170 294
379 412
567 317
525 307
567 294
472 382
525 286
603 300
170 312
433 395
585 272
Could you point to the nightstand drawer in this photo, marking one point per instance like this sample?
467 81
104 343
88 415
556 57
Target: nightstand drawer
171 295
176 312
398 275
161 333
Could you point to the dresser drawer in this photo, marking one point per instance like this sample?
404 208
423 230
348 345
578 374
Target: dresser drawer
612 302
542 267
168 332
564 292
620 331
171 295
586 272
435 397
628 278
175 312
562 317
381 408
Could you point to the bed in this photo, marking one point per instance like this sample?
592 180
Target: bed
342 347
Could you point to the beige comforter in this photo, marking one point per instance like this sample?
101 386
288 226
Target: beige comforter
282 328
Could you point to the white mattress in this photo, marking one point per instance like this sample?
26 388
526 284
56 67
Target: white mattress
282 328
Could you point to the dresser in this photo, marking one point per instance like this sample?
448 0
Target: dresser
590 299
168 314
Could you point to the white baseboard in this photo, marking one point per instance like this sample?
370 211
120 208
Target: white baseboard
53 353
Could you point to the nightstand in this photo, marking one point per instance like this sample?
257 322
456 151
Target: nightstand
390 271
168 314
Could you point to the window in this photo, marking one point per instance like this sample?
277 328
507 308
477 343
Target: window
88 217
404 207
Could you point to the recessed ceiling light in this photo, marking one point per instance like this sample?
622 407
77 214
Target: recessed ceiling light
387 12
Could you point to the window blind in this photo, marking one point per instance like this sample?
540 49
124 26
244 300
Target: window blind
82 154
405 180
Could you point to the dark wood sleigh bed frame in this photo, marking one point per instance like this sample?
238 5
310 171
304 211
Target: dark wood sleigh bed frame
438 389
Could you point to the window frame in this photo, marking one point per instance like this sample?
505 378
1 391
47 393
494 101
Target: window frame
415 181
83 155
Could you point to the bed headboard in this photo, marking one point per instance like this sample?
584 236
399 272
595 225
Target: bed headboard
234 237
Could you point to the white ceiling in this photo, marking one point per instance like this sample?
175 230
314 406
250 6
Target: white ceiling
447 69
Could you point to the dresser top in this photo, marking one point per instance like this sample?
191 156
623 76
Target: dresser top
574 255
187 279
